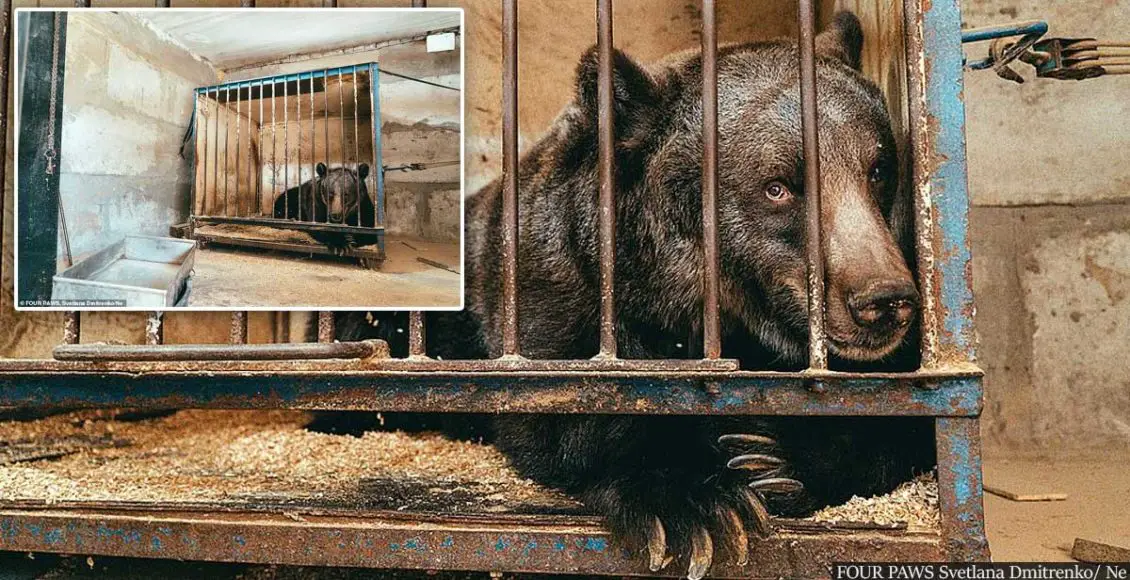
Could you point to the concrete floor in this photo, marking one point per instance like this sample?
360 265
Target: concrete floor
1097 506
247 277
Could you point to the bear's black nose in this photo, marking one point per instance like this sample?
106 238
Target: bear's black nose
884 306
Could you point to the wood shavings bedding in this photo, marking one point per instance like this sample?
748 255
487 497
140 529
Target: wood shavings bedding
268 458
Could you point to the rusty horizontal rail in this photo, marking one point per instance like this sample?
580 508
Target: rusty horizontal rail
351 385
220 352
498 544
290 224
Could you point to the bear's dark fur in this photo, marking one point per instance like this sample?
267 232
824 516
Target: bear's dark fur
333 196
663 482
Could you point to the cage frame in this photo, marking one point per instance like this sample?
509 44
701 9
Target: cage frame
372 72
947 387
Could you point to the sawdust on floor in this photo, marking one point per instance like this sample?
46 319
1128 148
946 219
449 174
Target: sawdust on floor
268 456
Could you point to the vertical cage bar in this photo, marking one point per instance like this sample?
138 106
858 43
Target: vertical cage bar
238 332
325 326
216 159
238 147
259 157
378 164
340 120
711 326
960 485
607 172
417 346
72 327
510 177
356 144
286 148
155 328
817 348
313 134
326 98
941 196
227 152
204 170
274 154
298 121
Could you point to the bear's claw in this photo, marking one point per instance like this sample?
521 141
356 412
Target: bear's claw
757 463
776 485
743 442
702 553
657 546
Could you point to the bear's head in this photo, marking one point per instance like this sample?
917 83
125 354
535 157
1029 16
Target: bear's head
871 296
341 190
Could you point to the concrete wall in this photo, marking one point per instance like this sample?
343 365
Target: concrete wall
1051 225
420 124
126 106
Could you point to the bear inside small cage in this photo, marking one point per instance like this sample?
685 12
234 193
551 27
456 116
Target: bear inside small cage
294 154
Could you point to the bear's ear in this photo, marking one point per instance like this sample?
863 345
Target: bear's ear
363 170
842 40
634 90
320 169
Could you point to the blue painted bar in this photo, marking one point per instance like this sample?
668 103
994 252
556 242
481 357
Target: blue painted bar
948 182
960 488
289 77
378 163
1005 30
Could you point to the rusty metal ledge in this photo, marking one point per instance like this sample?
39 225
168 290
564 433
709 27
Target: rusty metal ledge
503 544
308 385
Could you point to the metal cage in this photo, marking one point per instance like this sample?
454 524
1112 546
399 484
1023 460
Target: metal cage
259 141
947 386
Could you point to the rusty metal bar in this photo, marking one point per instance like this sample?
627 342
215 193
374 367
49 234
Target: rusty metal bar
413 385
388 539
416 335
313 134
204 169
274 150
298 121
259 155
711 324
215 162
357 144
155 328
920 169
72 327
817 348
238 334
510 346
340 120
238 146
219 352
286 149
227 151
326 98
607 177
960 488
326 331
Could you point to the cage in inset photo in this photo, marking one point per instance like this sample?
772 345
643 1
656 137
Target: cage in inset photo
293 163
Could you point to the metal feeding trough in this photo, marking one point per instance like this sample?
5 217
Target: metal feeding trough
138 271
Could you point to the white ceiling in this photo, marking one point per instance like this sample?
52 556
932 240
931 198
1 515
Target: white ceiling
230 39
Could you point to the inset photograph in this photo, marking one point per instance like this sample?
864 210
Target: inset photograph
272 159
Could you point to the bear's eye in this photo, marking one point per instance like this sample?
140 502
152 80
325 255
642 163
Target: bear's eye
877 174
777 191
